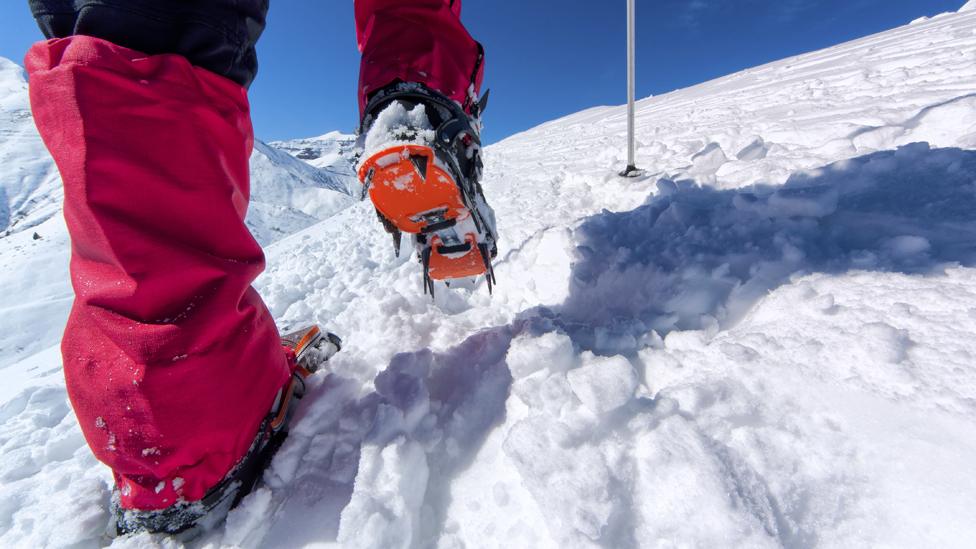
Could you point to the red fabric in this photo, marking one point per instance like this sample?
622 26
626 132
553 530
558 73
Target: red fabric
171 359
416 41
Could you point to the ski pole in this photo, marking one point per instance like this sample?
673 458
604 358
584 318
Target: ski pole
631 170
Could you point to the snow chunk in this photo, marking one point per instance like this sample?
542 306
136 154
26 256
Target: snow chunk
884 342
946 124
707 161
603 384
528 355
571 484
757 150
385 508
907 246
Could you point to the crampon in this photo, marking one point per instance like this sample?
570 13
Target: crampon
425 182
310 349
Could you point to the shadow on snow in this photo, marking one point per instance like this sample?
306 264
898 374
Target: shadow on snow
695 257
691 258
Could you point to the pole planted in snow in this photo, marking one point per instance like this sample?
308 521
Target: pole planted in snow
631 170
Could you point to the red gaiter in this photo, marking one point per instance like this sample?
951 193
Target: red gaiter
171 359
417 41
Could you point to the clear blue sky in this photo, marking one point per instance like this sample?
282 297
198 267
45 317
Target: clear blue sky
545 58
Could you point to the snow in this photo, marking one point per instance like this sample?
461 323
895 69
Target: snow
332 153
396 125
603 384
766 341
288 195
30 190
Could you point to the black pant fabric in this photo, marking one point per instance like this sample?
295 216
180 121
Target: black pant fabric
218 35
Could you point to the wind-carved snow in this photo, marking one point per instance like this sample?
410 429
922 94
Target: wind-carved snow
765 342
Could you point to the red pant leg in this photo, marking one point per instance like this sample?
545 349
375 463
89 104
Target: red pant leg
171 359
417 41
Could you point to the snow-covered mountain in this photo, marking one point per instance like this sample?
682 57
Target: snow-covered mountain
764 342
333 150
30 189
288 195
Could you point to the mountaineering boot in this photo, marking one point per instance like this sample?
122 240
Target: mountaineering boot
307 351
422 169
311 347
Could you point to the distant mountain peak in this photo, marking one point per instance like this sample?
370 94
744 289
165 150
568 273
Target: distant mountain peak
331 150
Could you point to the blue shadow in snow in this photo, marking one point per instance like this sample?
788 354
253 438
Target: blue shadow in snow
690 257
694 257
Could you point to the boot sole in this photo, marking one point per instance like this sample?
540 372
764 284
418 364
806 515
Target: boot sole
418 196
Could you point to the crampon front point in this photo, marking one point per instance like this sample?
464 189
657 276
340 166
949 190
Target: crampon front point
414 192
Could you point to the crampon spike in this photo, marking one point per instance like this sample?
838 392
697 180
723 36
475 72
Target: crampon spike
397 237
428 282
489 269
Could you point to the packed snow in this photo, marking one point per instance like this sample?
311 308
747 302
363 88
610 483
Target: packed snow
766 341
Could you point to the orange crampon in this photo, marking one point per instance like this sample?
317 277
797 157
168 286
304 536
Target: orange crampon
417 195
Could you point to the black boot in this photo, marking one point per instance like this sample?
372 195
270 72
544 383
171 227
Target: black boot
312 349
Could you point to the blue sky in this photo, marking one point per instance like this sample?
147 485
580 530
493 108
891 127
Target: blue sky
546 58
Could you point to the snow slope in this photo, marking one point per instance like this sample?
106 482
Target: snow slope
288 195
30 190
334 152
766 341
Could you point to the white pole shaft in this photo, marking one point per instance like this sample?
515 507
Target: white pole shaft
631 81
